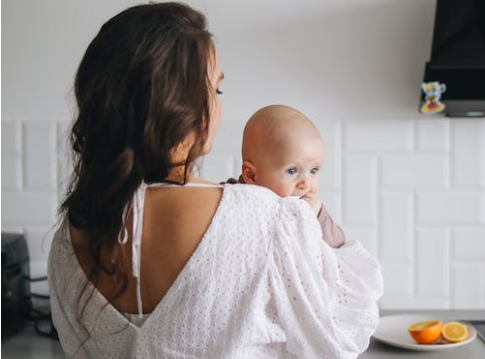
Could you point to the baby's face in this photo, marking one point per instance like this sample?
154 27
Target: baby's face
292 169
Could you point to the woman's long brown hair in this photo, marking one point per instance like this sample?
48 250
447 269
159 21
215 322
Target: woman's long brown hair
142 87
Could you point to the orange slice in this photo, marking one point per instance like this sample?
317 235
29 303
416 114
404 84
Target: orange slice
426 332
455 332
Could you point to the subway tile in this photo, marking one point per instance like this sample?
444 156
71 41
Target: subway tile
39 240
331 200
448 208
468 152
40 155
398 278
28 208
359 190
432 262
383 135
396 226
414 170
11 139
468 244
378 179
467 286
11 173
433 135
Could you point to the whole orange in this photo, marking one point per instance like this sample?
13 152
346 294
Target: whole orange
426 332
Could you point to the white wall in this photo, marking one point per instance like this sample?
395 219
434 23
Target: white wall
411 188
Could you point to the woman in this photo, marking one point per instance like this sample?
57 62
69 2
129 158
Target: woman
153 262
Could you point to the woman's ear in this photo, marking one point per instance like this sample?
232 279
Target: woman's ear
248 172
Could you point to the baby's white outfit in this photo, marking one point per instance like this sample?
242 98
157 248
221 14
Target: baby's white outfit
261 284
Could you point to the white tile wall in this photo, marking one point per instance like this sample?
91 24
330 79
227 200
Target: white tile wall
378 136
450 206
416 170
396 226
359 183
432 251
39 159
412 190
11 173
468 154
432 135
468 244
464 291
11 156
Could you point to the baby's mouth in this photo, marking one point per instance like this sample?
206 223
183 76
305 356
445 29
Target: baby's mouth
306 195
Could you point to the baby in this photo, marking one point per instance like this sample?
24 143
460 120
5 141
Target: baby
283 151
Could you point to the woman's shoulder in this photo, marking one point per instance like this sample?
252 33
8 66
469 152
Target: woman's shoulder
254 196
62 262
250 194
60 239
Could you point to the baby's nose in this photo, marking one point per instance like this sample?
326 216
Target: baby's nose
304 182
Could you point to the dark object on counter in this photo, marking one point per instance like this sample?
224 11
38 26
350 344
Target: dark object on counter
479 325
16 299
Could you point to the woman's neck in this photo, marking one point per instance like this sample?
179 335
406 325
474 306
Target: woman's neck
177 175
178 178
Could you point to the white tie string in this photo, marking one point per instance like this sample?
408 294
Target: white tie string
138 203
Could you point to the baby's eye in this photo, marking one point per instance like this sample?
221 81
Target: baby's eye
291 171
314 170
219 92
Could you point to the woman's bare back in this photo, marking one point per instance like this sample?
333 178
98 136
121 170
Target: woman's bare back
174 221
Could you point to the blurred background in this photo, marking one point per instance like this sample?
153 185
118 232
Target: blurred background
410 187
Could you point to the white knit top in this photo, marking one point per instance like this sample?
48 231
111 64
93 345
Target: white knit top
261 284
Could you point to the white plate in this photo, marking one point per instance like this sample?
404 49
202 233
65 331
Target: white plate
393 330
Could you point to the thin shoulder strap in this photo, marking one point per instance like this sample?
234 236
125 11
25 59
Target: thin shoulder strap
138 204
189 184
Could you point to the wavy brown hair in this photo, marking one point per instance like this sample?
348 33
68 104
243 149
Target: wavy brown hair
142 87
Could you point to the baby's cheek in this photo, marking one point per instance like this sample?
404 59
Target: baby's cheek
315 187
284 190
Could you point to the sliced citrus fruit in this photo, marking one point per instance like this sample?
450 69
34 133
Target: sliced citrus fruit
455 332
426 332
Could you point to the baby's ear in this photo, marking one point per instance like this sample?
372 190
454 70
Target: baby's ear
248 172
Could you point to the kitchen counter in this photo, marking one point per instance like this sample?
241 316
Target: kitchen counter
474 350
27 344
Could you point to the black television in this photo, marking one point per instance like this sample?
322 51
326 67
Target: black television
458 56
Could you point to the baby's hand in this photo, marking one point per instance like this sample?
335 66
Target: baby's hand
315 203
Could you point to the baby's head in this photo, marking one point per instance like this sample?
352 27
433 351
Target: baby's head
283 151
